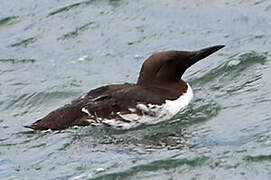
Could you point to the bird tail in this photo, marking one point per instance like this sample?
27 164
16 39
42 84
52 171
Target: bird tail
30 126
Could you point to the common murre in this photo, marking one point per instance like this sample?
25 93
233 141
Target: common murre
158 95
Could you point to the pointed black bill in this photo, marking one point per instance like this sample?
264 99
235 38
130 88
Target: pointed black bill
203 53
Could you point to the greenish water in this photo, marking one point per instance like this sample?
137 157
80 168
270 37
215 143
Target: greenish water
54 51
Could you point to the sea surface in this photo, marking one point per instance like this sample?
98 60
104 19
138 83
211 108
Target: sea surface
53 51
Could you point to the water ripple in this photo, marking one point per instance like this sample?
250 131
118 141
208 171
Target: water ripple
155 166
9 20
33 101
232 69
17 61
24 43
76 32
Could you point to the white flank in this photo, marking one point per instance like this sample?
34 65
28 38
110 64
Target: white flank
132 110
142 107
152 114
85 111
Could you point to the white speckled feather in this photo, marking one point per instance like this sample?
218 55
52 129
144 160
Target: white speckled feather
153 114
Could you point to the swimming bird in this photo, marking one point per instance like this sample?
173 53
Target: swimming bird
158 95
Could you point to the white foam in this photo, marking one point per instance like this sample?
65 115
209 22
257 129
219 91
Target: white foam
233 63
83 58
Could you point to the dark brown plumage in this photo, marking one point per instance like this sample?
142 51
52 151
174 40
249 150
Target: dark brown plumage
159 80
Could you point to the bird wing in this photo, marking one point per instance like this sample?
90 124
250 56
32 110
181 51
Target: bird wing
123 100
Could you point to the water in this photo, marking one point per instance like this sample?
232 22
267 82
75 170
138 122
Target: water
54 51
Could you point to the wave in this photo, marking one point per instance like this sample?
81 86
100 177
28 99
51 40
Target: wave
37 100
232 68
